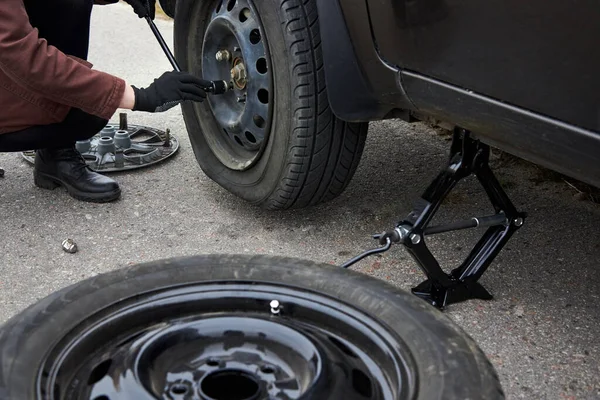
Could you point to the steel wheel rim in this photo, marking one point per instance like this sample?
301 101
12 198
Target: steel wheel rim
314 347
243 115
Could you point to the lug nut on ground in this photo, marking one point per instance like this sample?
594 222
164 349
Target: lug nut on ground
69 246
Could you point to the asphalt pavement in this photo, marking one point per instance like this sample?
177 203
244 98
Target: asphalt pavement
540 331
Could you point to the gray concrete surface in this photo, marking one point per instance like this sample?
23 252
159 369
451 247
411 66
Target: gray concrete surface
540 331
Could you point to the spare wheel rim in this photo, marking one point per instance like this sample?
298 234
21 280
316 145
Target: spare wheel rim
225 341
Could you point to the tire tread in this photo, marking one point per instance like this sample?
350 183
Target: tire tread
325 151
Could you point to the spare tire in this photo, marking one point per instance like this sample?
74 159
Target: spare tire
238 327
273 140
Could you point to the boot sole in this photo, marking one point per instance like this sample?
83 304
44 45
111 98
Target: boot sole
50 183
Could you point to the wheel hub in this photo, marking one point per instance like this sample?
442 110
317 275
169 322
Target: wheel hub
238 74
234 48
231 358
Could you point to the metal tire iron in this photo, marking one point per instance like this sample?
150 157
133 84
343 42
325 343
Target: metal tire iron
217 87
467 157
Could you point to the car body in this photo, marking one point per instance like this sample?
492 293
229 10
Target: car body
523 76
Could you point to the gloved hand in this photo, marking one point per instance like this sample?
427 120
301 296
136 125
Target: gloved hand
143 8
169 90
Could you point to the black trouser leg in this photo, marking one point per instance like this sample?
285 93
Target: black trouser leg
77 126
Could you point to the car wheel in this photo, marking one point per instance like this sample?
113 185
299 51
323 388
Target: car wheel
273 140
242 328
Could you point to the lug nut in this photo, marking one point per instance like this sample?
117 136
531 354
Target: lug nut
69 246
223 55
238 73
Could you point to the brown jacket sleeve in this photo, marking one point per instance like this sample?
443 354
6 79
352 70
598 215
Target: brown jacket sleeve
42 69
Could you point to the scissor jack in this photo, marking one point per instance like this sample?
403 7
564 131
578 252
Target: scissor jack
467 157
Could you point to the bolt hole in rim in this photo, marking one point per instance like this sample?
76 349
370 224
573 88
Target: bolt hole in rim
99 372
215 341
259 121
255 36
179 389
263 96
261 65
235 26
267 369
250 137
212 363
245 14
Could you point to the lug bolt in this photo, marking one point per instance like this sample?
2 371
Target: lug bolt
223 55
275 307
415 239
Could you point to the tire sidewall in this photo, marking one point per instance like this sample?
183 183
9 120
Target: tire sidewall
258 182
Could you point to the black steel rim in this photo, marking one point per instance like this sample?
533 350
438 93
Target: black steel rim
224 341
235 45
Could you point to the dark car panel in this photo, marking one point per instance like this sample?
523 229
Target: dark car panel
546 141
543 56
524 77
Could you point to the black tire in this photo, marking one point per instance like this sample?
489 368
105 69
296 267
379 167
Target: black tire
311 155
168 6
446 363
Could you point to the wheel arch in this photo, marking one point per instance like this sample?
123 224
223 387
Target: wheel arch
361 86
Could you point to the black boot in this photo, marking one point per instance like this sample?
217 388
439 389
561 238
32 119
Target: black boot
66 167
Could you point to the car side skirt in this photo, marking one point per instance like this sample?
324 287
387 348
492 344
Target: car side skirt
557 145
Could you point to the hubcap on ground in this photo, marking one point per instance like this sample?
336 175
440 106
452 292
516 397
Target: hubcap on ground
226 342
235 49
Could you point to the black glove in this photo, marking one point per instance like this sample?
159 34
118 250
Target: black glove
143 8
169 90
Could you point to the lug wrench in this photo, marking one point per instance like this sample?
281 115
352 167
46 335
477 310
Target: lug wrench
217 87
